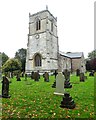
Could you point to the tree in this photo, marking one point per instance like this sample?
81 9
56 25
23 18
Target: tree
88 67
4 58
11 65
92 55
93 64
91 61
21 56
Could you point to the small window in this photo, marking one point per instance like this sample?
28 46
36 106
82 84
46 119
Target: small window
38 24
52 26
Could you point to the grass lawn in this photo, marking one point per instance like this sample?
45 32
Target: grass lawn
30 99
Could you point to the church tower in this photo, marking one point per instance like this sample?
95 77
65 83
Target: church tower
42 46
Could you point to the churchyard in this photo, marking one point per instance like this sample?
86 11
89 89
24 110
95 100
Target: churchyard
36 99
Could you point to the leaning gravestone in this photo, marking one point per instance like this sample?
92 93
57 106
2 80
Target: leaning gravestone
46 77
59 84
5 88
36 76
67 79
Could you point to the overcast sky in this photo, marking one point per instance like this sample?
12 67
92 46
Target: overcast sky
75 22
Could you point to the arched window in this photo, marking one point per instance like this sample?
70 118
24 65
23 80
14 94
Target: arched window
38 24
37 60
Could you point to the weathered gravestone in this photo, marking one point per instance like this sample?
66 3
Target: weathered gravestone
67 84
82 77
36 76
46 77
25 77
54 84
67 102
77 72
18 77
5 88
59 84
32 75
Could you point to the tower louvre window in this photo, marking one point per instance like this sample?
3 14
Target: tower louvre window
38 24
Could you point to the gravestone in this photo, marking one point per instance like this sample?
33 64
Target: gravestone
55 73
66 73
67 102
77 72
5 88
36 76
54 84
67 84
91 73
46 77
82 77
25 77
59 84
32 75
18 77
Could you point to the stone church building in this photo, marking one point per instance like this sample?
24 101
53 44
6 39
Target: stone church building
43 48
